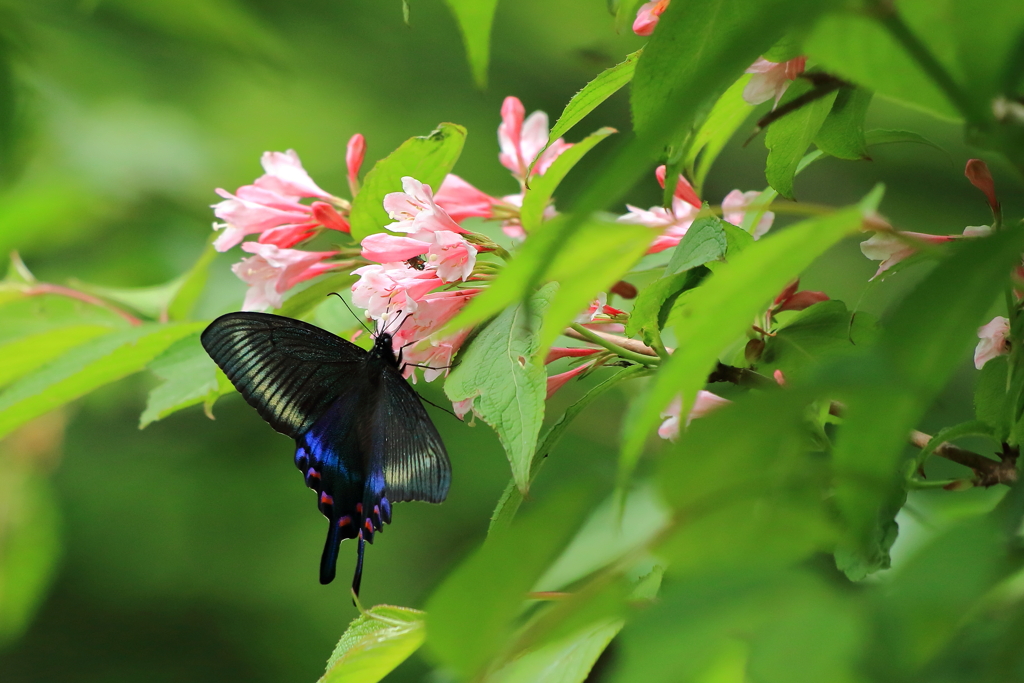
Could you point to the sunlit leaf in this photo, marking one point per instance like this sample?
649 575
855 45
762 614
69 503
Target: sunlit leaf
704 241
728 114
192 284
508 387
85 368
428 159
652 306
189 377
376 642
564 661
32 351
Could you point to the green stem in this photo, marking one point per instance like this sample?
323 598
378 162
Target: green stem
613 347
936 484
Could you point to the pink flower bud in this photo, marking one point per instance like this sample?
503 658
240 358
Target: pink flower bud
556 382
648 16
684 190
780 378
801 300
566 352
327 216
977 172
354 153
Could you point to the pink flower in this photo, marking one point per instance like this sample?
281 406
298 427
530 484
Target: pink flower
273 271
771 79
559 352
270 207
286 176
979 175
891 247
384 248
452 256
556 382
792 300
704 404
735 206
522 142
385 289
354 153
415 210
461 200
461 408
993 342
598 307
648 16
432 312
683 190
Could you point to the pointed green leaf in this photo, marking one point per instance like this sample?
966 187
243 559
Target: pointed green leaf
428 159
25 354
607 83
85 368
842 133
192 285
189 377
497 370
720 310
704 241
568 660
722 122
474 18
542 187
376 642
787 138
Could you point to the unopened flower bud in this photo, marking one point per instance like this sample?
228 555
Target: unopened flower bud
624 289
753 350
977 172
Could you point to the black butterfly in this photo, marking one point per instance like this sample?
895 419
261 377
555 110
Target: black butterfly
363 439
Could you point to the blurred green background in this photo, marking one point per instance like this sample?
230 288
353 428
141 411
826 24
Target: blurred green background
189 551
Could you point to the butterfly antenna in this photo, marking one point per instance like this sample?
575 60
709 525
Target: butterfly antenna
358 319
438 407
358 578
407 316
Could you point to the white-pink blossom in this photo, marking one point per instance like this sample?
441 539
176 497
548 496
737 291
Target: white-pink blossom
735 207
994 342
522 142
286 176
271 271
384 289
461 200
451 255
415 211
771 79
891 247
673 223
702 405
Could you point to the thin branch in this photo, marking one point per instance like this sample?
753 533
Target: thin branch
987 471
44 288
614 343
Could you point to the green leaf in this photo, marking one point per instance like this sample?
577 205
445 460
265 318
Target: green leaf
593 259
842 133
787 138
568 660
652 306
149 301
376 642
998 26
541 188
704 241
607 83
190 377
721 123
860 50
991 404
612 531
720 311
301 304
28 353
475 18
508 387
583 259
768 195
427 159
471 615
879 136
87 367
926 337
192 284
814 334
30 543
508 505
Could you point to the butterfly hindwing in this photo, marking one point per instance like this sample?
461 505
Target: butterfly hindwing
288 370
415 462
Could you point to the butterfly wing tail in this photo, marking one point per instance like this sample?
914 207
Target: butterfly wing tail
329 560
357 579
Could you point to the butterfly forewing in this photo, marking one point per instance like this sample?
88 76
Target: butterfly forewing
289 371
416 464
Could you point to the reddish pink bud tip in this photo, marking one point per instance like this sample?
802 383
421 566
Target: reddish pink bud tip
979 175
789 291
327 216
779 378
802 300
354 154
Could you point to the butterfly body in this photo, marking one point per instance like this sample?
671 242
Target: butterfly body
362 438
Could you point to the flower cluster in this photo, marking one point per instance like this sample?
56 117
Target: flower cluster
271 208
675 221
